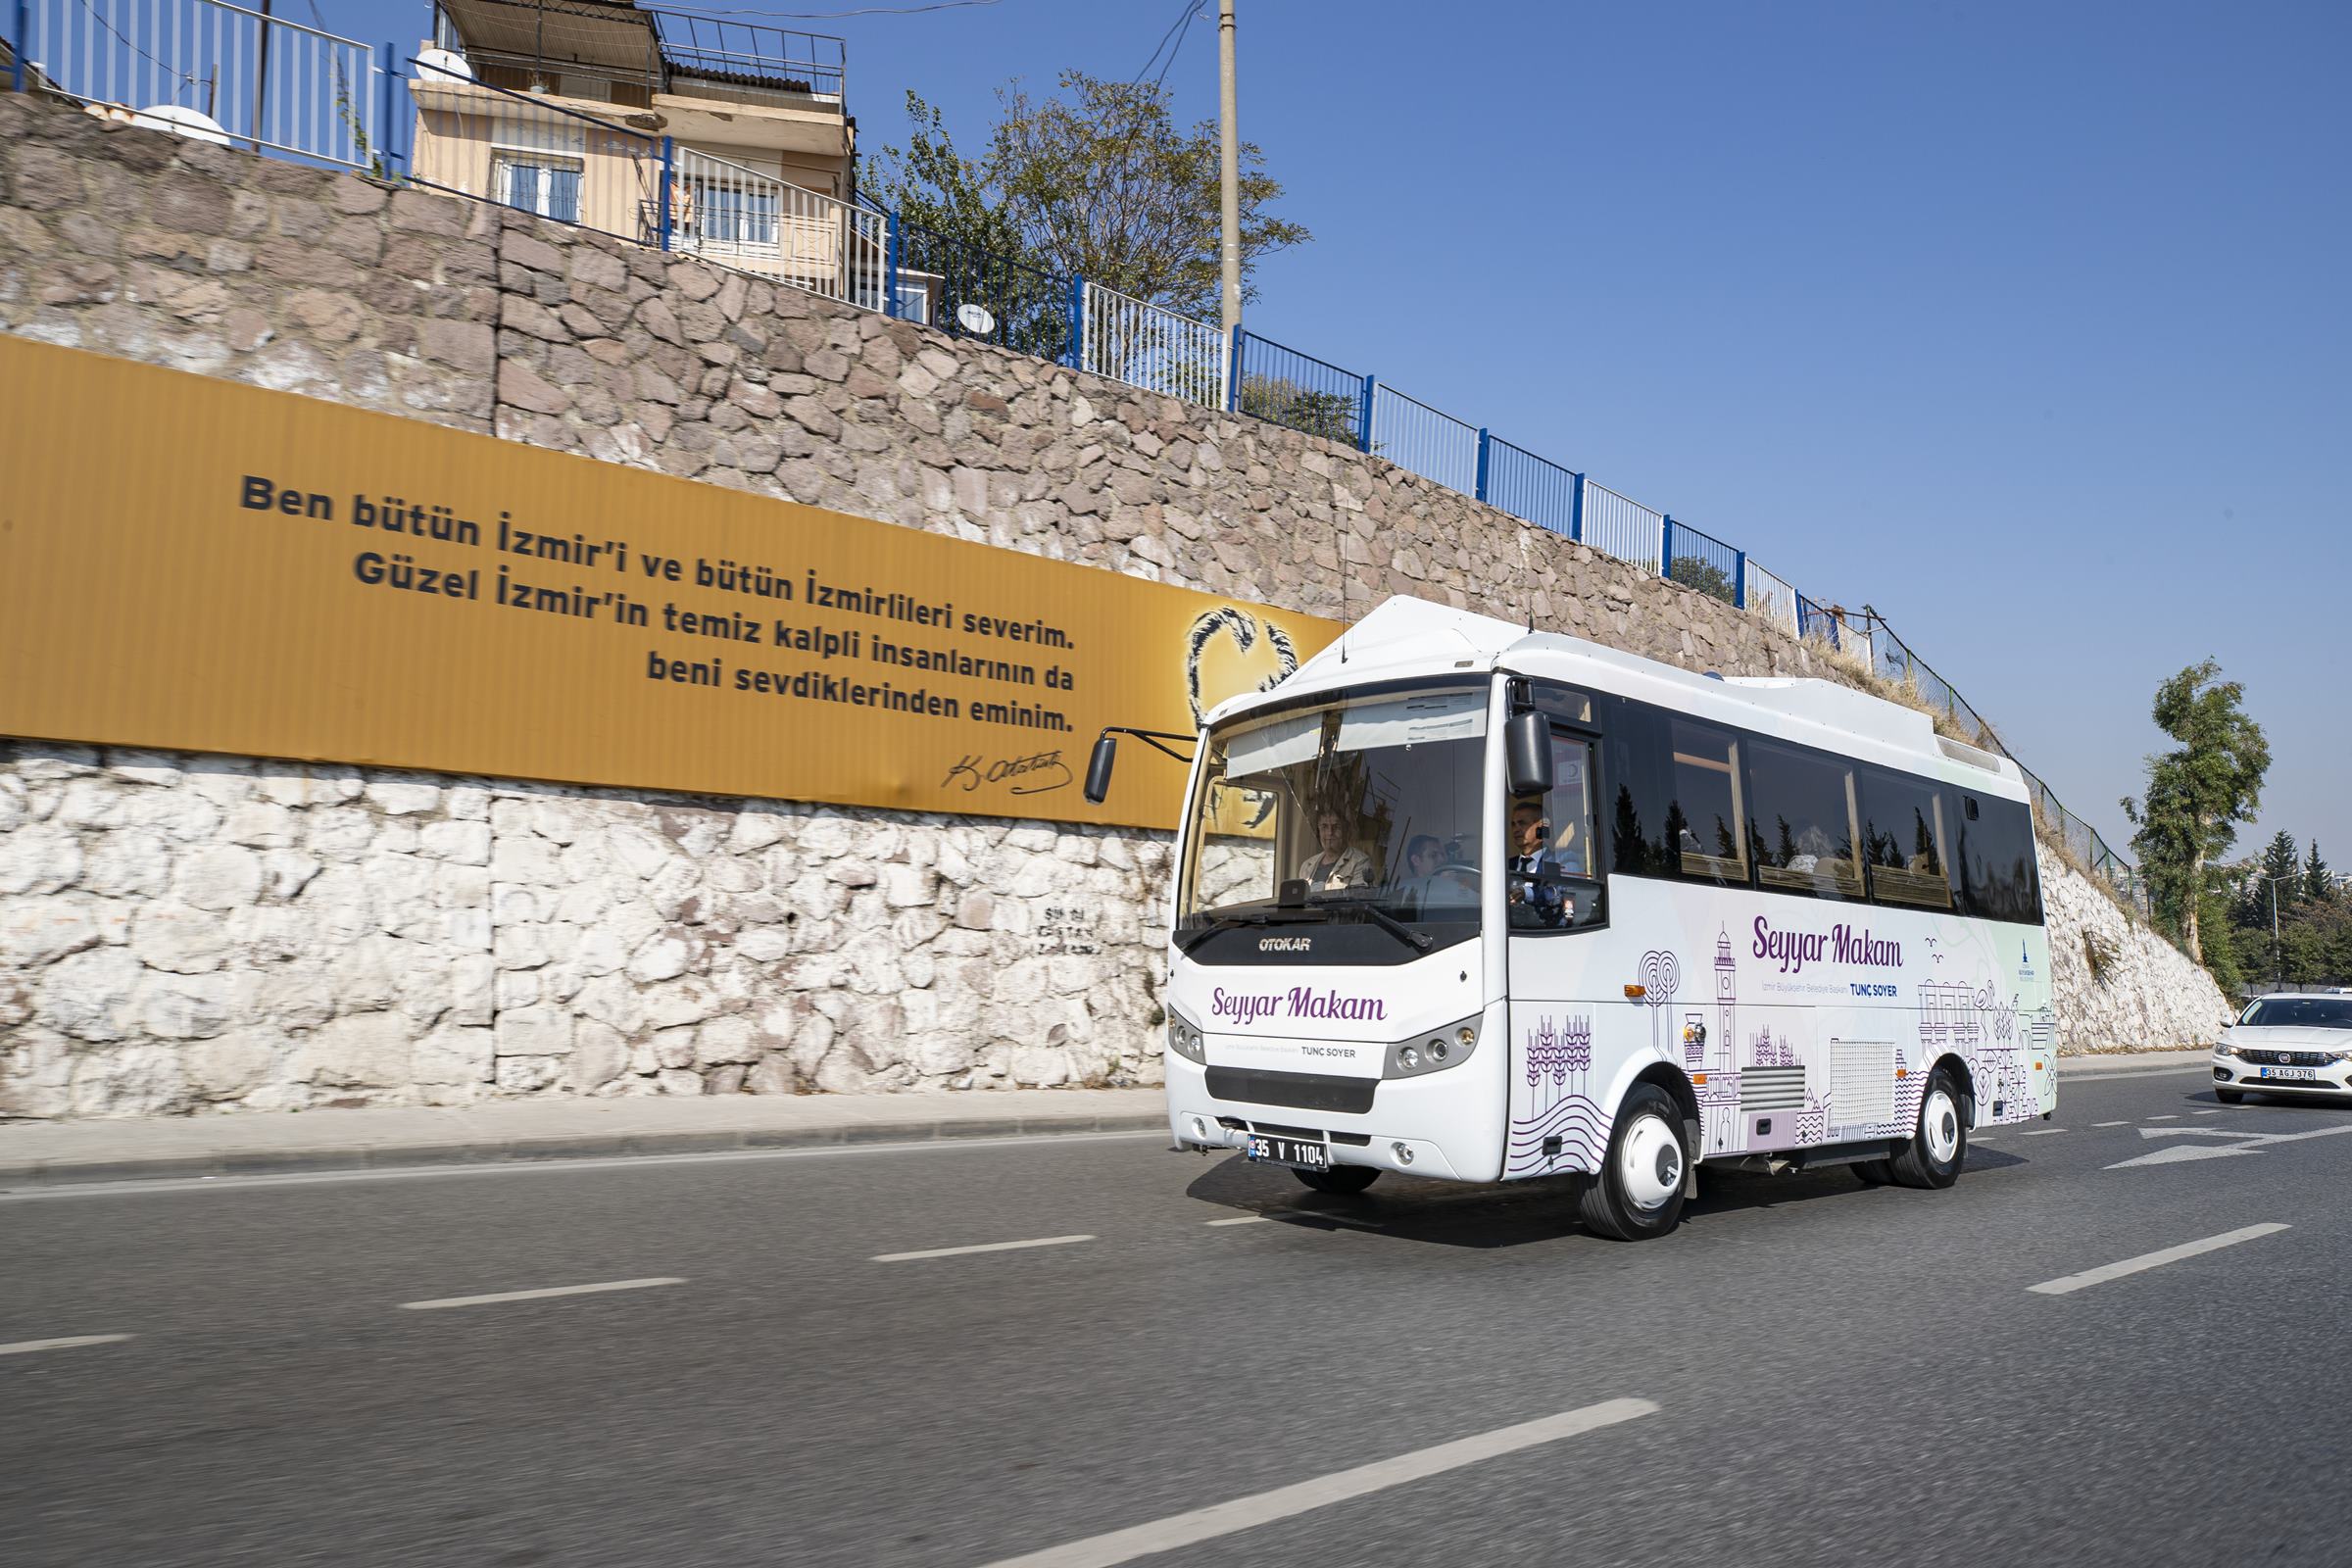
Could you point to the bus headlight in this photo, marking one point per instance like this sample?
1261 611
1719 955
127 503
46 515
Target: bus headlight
1184 1041
1440 1049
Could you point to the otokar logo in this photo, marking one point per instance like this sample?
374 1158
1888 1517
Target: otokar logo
1286 943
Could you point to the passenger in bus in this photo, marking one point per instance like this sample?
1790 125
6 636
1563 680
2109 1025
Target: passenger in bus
1338 864
1535 901
1812 848
1423 854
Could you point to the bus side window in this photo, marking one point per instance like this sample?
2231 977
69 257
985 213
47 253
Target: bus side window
1673 804
1904 839
1998 877
1802 822
1705 812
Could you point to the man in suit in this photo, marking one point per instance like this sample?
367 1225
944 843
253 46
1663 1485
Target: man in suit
1537 898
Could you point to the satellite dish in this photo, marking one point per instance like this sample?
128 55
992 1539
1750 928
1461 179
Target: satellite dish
975 320
181 122
446 63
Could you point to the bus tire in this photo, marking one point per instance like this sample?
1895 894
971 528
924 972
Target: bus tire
1939 1146
1343 1179
1638 1193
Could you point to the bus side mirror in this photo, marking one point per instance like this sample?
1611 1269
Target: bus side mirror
1527 753
1098 769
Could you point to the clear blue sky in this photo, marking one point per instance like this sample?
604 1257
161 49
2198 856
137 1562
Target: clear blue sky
2026 324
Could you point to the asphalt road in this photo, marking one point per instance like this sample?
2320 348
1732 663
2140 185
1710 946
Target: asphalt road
1808 1372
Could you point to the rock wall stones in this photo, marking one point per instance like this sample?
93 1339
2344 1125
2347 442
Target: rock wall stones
181 932
2142 992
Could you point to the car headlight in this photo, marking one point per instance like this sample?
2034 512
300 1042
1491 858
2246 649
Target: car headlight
1423 1055
1184 1041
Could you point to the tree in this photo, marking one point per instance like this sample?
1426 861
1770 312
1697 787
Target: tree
2318 887
1697 572
2197 793
929 182
1102 184
2281 868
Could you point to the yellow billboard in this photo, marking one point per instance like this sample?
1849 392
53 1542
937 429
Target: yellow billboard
195 565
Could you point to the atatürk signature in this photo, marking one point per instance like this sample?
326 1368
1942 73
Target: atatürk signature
1027 776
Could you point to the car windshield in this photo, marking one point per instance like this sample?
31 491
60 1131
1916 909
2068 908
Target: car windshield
2300 1013
1370 803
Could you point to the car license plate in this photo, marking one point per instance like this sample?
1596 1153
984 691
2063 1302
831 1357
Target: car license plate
1299 1151
2292 1074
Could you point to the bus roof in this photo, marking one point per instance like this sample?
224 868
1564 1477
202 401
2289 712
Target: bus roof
1406 639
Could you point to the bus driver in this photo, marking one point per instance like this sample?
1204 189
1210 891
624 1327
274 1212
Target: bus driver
1536 900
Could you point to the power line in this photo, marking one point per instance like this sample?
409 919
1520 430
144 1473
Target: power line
1189 18
1183 20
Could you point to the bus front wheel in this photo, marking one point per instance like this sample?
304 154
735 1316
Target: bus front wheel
1338 1179
1939 1144
1639 1192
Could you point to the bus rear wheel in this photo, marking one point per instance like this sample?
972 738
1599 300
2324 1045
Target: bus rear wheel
1939 1146
1340 1179
1638 1193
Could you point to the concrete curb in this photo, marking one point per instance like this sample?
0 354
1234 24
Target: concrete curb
54 1173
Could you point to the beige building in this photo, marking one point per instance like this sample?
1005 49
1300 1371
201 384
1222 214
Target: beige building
719 137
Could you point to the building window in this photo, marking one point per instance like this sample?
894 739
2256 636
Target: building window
731 215
548 186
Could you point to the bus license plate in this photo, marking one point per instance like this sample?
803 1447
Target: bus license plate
2292 1074
1289 1152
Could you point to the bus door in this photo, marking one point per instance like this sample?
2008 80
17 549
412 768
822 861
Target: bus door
1555 895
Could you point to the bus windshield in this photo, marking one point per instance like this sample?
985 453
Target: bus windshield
1371 801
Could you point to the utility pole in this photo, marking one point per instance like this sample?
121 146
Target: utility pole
1229 172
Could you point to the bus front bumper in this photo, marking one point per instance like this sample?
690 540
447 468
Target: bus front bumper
1396 1134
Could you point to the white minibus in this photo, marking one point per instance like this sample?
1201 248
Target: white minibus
1467 901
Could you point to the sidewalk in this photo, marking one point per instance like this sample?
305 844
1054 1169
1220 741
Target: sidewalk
155 1148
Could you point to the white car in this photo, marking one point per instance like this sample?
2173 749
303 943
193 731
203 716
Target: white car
2285 1044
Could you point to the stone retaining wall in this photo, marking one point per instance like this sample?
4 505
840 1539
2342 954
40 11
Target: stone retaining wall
182 932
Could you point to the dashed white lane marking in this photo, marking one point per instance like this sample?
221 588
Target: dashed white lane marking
2045 1132
1284 1503
27 1347
2216 1111
2167 1116
2111 1124
983 1247
439 1302
1246 1219
2148 1261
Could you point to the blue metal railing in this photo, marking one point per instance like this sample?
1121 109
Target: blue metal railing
1285 387
959 288
208 70
1533 488
1705 562
1411 434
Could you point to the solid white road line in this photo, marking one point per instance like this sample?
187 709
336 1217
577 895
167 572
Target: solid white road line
27 1347
535 1296
2148 1261
984 1247
1283 1502
2111 1124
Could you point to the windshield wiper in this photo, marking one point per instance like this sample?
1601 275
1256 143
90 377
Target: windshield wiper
1187 941
1419 940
